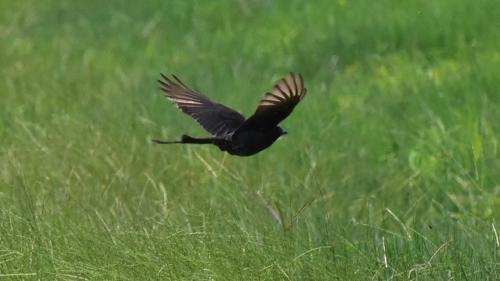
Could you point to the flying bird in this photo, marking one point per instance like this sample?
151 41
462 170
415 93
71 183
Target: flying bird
230 130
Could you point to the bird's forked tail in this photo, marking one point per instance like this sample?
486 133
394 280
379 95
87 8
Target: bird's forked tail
188 139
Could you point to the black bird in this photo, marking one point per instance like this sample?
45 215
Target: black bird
231 131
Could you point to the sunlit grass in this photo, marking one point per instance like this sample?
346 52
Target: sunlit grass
389 171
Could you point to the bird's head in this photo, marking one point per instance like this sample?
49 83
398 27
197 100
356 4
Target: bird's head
283 132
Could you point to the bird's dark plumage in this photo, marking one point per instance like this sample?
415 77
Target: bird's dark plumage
231 131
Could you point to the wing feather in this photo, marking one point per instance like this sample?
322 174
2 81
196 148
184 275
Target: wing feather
277 104
216 118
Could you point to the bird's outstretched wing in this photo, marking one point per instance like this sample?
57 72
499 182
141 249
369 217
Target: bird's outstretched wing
278 103
216 118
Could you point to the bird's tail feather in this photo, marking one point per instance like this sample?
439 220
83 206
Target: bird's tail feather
188 139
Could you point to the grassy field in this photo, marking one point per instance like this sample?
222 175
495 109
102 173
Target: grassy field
390 170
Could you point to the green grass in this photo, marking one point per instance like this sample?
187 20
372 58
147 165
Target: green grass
390 170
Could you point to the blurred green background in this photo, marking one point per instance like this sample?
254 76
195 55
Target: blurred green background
390 170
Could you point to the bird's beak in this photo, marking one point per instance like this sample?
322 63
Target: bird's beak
284 133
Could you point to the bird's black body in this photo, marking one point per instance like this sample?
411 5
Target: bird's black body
231 131
249 142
